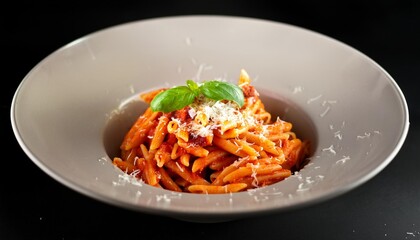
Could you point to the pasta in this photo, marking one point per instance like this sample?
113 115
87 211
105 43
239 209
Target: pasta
211 146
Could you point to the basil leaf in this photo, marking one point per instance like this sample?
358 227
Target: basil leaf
172 99
194 87
178 97
218 90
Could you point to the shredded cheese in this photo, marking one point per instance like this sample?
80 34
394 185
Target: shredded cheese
217 113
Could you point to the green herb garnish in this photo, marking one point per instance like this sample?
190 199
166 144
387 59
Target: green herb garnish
178 97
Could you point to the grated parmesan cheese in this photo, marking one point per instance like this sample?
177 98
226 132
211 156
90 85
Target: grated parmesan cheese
216 113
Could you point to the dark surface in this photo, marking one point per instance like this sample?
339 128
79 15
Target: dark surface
34 206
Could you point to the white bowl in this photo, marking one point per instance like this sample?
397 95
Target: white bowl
72 109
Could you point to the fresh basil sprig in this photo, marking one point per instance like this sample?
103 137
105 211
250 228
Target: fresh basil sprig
178 97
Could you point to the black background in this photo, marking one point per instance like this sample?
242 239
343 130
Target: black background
34 206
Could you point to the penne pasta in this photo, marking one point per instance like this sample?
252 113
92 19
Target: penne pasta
193 149
211 146
160 132
229 146
250 170
211 189
185 173
202 162
168 182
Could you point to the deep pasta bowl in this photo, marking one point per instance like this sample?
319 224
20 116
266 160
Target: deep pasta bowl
72 110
